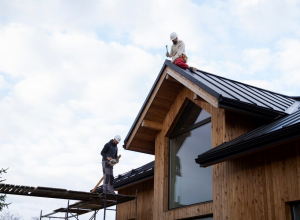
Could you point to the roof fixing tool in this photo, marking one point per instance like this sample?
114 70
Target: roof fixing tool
112 163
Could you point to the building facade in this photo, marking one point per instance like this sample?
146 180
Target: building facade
223 150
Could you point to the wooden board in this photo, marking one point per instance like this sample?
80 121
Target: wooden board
145 189
161 175
260 185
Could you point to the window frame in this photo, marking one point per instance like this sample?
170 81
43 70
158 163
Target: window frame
176 134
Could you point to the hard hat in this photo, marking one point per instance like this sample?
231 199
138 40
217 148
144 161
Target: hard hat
173 35
117 138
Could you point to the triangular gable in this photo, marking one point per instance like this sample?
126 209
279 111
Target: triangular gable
216 90
148 123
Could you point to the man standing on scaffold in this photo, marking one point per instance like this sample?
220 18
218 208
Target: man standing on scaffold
109 153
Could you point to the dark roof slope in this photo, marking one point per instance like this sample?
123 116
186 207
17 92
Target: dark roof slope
133 176
281 130
296 98
233 95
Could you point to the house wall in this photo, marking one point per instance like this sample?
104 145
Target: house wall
126 211
226 125
256 186
160 209
260 185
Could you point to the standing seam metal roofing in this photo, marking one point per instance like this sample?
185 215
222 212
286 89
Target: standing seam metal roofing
233 95
285 128
138 174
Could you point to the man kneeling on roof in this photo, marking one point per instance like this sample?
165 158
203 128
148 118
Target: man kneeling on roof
109 152
178 53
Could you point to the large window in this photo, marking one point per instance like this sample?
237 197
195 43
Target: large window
188 183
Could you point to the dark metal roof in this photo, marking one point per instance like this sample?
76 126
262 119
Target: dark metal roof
283 129
233 95
296 98
136 175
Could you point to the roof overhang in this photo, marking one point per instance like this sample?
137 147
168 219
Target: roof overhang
262 142
163 93
149 121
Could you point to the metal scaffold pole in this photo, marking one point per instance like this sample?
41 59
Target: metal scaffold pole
68 209
105 191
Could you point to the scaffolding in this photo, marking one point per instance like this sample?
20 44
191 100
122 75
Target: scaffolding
89 202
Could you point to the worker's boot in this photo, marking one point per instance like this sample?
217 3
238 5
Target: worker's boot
192 69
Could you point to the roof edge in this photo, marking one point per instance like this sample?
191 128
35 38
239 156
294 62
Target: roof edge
181 72
249 146
295 97
144 104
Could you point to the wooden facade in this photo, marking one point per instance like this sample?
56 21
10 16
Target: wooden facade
256 186
145 192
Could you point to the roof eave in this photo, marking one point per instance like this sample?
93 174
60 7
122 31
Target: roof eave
250 146
144 104
167 63
249 109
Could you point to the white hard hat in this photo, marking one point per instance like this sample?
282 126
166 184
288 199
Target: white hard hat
173 35
117 138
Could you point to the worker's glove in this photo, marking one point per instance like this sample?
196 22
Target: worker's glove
167 54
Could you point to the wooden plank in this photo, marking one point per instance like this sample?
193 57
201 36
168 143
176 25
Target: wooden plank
193 87
198 98
145 109
145 201
142 144
161 176
168 77
152 125
51 189
260 184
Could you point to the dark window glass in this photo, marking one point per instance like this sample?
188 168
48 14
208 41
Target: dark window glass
188 183
203 115
296 211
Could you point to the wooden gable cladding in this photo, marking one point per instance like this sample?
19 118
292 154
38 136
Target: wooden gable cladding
149 123
142 138
161 175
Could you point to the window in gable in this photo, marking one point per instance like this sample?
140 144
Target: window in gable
188 183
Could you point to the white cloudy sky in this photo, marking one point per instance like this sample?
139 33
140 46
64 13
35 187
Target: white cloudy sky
75 73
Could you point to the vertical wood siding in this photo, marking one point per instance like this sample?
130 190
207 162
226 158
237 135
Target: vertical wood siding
126 210
253 187
160 209
260 185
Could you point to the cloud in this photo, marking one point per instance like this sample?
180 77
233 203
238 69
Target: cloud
70 94
288 60
74 74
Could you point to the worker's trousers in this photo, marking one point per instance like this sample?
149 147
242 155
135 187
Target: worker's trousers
108 177
180 62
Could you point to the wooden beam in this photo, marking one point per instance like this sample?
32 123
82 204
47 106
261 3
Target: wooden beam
198 98
170 78
193 87
152 125
141 144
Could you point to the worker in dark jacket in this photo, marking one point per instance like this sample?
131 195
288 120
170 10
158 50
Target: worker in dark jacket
109 152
